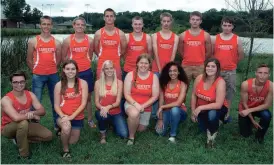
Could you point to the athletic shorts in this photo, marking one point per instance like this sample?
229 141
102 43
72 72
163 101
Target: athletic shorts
193 71
87 75
144 116
230 81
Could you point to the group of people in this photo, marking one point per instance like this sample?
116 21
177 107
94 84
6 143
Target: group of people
151 84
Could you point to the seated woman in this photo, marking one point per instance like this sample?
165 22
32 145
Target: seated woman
141 90
172 110
108 94
208 103
70 99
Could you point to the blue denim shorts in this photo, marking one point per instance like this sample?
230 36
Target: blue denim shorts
87 75
77 124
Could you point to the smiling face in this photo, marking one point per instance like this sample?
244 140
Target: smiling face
137 26
143 65
70 70
108 69
262 74
173 72
46 25
211 69
18 83
79 26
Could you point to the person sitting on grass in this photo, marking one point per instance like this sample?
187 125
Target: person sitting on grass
70 99
172 110
208 103
16 116
108 94
141 90
256 98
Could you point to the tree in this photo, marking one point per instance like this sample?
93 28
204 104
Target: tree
254 23
35 16
13 9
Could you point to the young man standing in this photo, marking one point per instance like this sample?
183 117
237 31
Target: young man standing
16 116
256 99
79 47
164 44
109 43
228 49
43 57
138 43
194 47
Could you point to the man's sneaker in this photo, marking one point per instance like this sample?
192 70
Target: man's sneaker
130 142
172 139
14 141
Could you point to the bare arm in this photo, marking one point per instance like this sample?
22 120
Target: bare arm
39 109
149 45
174 51
96 41
244 98
193 95
119 94
180 99
127 88
57 101
155 92
181 44
97 95
65 48
58 52
31 48
123 43
91 48
155 50
240 50
213 39
208 45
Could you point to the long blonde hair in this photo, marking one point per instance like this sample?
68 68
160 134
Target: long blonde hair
102 81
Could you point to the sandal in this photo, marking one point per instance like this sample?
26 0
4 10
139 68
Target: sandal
66 154
91 124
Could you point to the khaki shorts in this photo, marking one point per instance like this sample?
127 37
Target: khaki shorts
193 71
144 117
230 81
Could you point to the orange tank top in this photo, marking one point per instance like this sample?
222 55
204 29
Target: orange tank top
207 96
17 106
108 100
142 91
71 101
255 99
110 48
79 52
165 49
134 50
44 57
171 95
226 51
194 49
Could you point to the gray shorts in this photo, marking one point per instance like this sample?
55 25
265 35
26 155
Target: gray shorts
144 116
230 81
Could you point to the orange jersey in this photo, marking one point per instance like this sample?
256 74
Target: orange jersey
70 102
226 51
255 99
108 100
44 57
79 52
110 49
172 95
142 91
134 50
194 49
207 96
165 49
17 106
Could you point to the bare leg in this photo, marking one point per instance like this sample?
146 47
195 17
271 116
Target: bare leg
65 133
133 120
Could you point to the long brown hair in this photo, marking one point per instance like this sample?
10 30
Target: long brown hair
64 80
146 56
216 61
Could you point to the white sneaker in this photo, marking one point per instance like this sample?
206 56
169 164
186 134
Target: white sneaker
14 141
130 142
172 139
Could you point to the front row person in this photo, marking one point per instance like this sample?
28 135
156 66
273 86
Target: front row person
256 98
16 116
208 103
108 94
172 110
141 90
70 99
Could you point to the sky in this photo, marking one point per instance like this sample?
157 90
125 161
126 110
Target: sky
77 7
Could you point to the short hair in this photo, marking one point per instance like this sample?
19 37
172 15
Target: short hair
79 18
18 73
166 14
227 20
45 17
262 66
110 10
137 18
196 13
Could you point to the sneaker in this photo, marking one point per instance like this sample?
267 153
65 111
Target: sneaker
130 142
91 124
172 140
14 141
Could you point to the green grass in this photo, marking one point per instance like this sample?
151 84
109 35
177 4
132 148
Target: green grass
149 148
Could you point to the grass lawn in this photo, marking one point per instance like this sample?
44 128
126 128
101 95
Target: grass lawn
149 148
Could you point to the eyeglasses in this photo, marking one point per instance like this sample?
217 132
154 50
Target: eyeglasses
19 82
